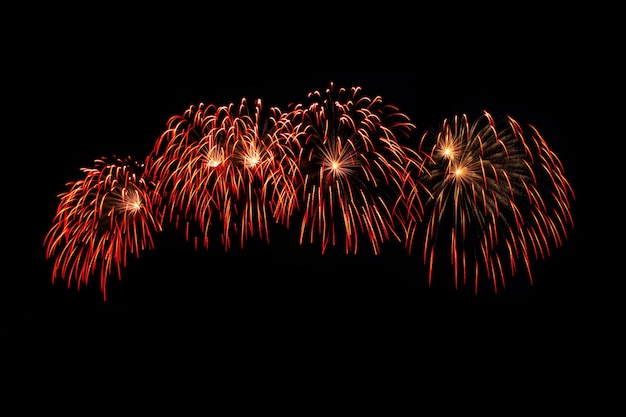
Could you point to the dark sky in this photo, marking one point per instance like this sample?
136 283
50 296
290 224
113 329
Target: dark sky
113 97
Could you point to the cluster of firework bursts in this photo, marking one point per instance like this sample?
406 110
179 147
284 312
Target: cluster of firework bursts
341 169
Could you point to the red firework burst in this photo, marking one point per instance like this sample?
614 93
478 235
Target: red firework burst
355 172
497 196
226 165
101 219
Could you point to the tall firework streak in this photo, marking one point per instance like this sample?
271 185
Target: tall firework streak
100 219
498 195
225 165
356 173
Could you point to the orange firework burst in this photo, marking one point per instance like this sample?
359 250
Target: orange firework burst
498 195
355 171
226 164
100 220
490 194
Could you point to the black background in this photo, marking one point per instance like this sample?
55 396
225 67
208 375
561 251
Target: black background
80 91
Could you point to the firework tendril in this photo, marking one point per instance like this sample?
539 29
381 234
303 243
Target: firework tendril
498 197
226 165
354 168
341 168
101 219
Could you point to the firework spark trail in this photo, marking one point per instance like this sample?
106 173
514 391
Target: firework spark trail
100 219
226 165
355 172
498 193
492 190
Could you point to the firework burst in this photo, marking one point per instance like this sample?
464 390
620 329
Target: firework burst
101 219
498 197
228 166
489 195
354 169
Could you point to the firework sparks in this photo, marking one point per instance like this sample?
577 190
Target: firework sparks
101 219
354 169
490 194
226 165
497 196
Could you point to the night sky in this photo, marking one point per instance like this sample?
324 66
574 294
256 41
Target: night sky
115 99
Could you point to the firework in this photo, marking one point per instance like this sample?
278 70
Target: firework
498 197
101 219
489 194
353 167
226 166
